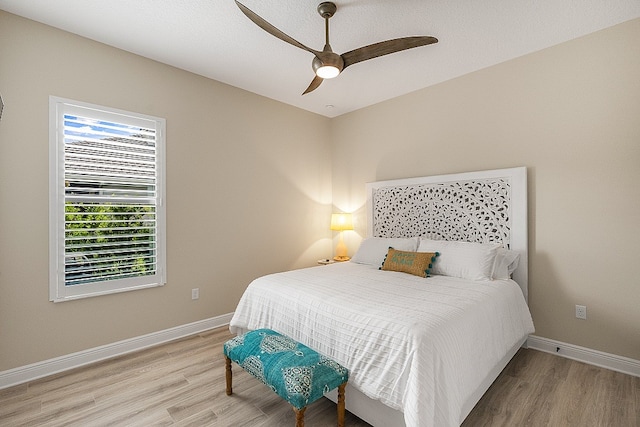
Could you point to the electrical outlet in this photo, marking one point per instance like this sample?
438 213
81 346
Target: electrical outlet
581 312
195 293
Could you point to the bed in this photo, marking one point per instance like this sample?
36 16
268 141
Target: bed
421 351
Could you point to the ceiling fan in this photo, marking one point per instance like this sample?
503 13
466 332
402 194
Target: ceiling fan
327 64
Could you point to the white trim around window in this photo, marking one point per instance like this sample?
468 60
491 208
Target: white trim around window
106 200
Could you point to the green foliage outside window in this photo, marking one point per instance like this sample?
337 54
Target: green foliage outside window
105 240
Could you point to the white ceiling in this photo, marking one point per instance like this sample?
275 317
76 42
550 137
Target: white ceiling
214 39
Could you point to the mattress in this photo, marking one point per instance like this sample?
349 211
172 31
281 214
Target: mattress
418 345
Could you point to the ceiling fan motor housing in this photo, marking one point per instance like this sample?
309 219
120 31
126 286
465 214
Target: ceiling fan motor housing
327 59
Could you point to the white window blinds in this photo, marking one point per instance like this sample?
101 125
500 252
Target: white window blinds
108 205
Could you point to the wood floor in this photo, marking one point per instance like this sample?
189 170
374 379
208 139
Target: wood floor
182 384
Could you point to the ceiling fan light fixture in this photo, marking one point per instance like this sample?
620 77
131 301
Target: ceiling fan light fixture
327 72
329 66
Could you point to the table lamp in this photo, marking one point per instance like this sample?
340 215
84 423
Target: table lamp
341 222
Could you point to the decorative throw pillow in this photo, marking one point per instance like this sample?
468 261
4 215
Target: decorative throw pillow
416 263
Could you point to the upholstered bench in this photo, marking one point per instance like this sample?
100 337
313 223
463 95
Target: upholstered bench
294 371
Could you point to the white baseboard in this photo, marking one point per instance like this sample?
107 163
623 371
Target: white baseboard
37 370
586 355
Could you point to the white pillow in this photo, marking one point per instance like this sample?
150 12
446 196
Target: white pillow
505 264
473 261
372 250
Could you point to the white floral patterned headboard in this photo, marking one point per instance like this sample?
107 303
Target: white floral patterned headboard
487 206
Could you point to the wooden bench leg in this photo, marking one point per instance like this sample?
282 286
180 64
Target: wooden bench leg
341 404
300 416
227 363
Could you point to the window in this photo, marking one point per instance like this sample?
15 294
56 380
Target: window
107 214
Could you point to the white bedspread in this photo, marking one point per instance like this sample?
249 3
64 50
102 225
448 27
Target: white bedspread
418 345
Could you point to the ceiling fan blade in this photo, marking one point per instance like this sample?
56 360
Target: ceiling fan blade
314 85
384 48
271 29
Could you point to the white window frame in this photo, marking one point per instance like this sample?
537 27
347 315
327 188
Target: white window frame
58 291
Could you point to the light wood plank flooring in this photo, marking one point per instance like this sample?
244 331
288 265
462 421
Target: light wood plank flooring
182 384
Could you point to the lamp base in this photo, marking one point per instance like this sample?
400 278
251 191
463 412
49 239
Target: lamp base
341 258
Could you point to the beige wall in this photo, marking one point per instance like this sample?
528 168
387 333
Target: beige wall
248 191
571 114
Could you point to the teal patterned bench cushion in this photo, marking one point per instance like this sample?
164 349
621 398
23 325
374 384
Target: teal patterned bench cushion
297 373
